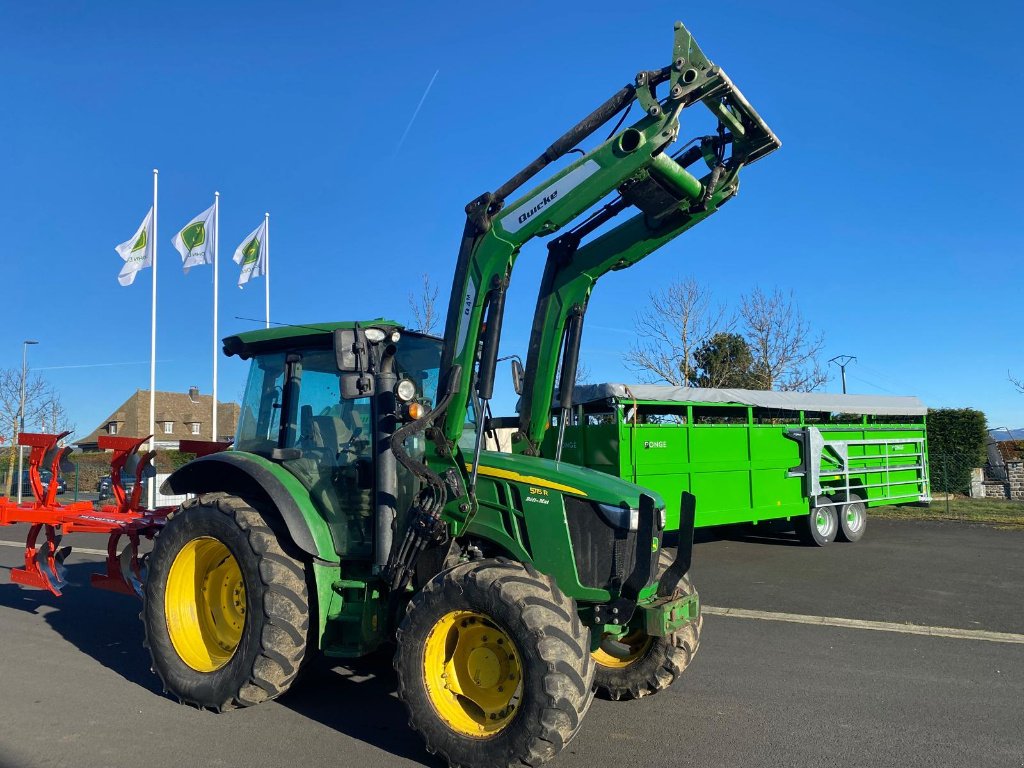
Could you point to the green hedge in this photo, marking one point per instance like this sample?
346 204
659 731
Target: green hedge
956 444
92 466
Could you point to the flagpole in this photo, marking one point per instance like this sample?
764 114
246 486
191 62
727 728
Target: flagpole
266 265
152 351
216 248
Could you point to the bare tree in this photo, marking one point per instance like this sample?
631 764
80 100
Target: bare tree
53 417
424 306
582 373
679 319
39 400
1018 384
786 352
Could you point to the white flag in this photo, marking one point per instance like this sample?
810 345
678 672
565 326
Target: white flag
136 252
195 240
252 255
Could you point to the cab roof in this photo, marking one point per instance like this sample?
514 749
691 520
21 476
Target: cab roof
250 343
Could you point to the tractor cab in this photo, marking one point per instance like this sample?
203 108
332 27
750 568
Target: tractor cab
305 411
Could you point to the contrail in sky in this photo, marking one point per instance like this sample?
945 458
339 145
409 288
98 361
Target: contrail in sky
415 113
97 365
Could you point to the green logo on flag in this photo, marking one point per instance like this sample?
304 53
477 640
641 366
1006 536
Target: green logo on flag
251 252
194 235
140 243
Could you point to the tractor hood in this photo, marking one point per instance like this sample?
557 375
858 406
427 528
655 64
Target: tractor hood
565 478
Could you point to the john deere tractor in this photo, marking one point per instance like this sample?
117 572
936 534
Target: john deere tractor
358 507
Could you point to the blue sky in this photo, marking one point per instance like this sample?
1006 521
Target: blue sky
890 211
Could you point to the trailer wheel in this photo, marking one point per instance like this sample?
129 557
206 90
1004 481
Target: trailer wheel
853 519
226 609
819 527
494 666
639 665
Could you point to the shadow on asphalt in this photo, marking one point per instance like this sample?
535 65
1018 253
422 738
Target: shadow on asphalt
749 534
356 698
104 625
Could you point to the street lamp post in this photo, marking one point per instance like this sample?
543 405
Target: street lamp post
21 416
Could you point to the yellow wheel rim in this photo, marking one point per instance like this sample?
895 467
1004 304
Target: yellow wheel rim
473 674
638 643
204 604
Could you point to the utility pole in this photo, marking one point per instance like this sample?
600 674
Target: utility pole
842 361
21 412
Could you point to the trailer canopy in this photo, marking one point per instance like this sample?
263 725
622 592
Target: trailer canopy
879 405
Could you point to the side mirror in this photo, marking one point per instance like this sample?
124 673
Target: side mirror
517 376
351 350
352 353
356 385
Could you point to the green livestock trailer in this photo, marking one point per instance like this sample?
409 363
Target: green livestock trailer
816 460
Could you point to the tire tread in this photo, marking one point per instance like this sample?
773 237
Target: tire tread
281 653
563 649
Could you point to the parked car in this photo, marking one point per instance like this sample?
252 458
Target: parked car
26 482
127 482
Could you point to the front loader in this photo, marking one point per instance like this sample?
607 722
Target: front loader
357 507
668 201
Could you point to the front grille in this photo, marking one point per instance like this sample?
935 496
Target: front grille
605 556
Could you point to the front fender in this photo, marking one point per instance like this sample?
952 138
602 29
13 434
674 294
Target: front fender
250 476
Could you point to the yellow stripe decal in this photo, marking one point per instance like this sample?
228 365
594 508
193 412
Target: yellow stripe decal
529 479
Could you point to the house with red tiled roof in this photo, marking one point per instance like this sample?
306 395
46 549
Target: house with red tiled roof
179 416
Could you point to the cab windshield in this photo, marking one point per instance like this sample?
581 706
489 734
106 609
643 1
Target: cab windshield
259 424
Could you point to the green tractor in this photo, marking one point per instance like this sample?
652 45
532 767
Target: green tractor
359 509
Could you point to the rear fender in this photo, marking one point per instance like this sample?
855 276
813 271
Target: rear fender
255 478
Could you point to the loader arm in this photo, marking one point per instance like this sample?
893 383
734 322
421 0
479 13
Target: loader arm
573 268
634 157
570 275
633 160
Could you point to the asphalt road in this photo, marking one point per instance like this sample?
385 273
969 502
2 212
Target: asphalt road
75 689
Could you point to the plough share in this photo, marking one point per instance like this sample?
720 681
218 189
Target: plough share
126 517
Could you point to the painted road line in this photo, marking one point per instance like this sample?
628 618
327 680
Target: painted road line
74 550
878 626
790 618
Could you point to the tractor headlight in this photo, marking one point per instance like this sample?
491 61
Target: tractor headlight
623 518
663 517
405 390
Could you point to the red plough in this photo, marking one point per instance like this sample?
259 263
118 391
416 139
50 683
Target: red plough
44 563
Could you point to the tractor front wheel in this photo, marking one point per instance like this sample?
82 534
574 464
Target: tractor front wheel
494 666
226 608
637 664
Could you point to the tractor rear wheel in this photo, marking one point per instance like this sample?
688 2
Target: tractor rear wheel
226 609
637 664
494 666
